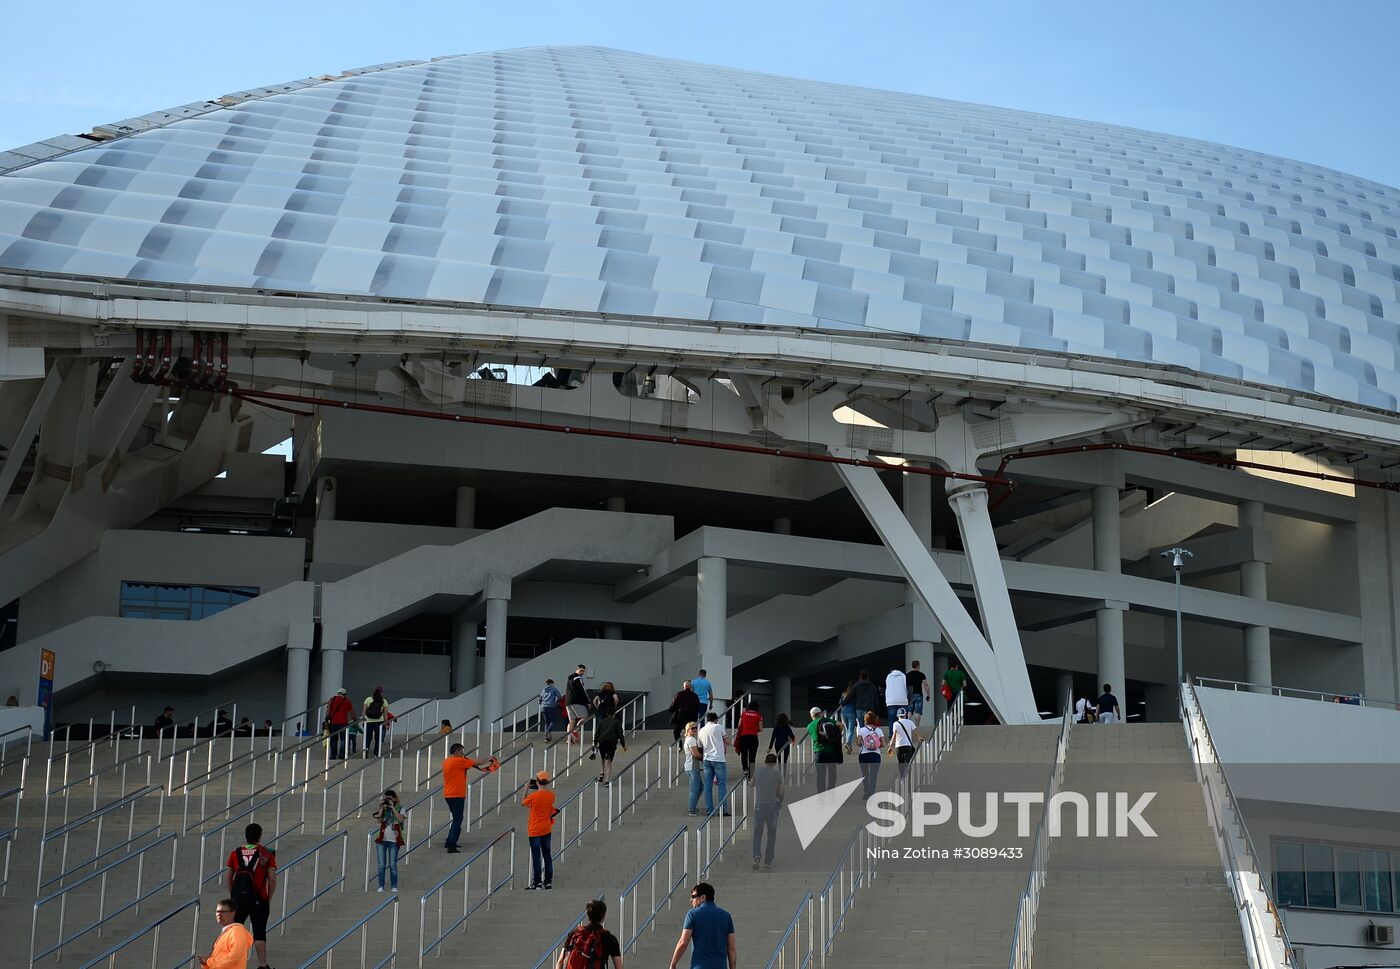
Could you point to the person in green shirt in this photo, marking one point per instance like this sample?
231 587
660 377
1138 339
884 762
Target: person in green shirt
825 735
955 679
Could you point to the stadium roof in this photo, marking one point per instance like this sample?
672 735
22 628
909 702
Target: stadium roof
597 181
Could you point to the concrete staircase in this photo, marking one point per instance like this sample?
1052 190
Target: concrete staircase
1154 903
954 913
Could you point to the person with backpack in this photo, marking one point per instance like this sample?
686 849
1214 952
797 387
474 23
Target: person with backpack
550 698
390 838
251 880
750 726
376 714
606 701
870 740
590 946
781 739
339 712
825 735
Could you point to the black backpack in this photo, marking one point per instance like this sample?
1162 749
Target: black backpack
829 732
375 708
245 886
586 950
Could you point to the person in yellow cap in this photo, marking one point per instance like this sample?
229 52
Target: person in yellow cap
539 799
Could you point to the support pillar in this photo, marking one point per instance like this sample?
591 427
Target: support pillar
711 618
465 673
466 507
1254 583
782 696
1108 558
497 606
325 499
301 636
918 508
334 640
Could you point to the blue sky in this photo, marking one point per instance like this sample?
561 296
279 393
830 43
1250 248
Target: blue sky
1298 79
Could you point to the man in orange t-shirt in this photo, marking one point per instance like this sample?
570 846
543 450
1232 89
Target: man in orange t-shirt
454 790
231 948
540 800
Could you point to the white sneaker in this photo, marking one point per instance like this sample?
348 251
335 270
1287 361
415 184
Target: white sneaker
380 889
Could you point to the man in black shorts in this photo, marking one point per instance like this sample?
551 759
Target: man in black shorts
252 878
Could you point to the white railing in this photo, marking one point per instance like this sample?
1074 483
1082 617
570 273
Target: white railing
425 752
254 808
522 760
628 914
285 872
95 779
730 713
358 775
469 907
854 870
584 821
110 955
1266 938
710 839
13 738
520 725
103 916
1343 699
112 739
1028 905
936 745
9 836
788 953
362 926
633 714
100 815
634 782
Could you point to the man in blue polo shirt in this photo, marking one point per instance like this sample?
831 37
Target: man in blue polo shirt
711 930
703 689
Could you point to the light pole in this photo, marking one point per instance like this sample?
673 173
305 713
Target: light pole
1178 555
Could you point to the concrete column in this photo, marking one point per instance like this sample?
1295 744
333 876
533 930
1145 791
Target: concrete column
617 504
941 662
325 499
782 696
1254 583
465 674
334 640
711 606
1064 683
466 507
497 606
918 505
1108 558
300 638
782 526
1377 532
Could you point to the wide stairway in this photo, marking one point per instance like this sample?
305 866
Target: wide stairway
955 912
1153 903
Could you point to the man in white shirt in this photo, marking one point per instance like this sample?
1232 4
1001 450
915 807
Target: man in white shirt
1081 710
713 744
896 691
904 740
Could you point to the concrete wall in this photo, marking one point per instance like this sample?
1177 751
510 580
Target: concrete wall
341 548
92 587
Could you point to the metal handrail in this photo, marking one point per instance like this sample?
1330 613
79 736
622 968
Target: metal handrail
726 715
95 777
833 915
672 883
9 835
129 801
314 853
548 955
362 926
153 927
102 917
779 960
358 809
499 774
458 735
90 747
737 820
1252 918
498 725
359 772
5 743
640 700
464 869
581 826
1361 700
630 772
1028 904
206 835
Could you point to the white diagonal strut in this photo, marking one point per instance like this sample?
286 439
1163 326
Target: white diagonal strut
1010 697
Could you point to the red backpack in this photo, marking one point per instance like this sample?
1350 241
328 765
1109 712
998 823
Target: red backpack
586 949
